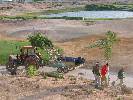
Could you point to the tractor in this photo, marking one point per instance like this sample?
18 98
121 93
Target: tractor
28 56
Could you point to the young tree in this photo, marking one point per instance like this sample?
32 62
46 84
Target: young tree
106 44
38 40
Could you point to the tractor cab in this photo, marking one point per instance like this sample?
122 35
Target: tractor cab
28 50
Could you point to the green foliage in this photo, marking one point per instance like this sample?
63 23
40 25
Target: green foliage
96 19
99 7
50 54
106 44
72 18
32 71
45 55
59 50
38 40
64 17
45 47
55 74
22 17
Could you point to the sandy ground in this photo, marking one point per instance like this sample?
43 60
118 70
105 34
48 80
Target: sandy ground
60 30
55 29
70 88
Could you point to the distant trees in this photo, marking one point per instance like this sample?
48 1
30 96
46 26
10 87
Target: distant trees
109 7
99 7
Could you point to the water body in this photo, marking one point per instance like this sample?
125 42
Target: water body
95 14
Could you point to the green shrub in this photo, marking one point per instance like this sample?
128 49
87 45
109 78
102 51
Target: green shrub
22 17
55 74
39 40
72 18
63 17
106 44
100 7
32 71
45 55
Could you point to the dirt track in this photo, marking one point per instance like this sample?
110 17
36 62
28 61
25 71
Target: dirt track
76 85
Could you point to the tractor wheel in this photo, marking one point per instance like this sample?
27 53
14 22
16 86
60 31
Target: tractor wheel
60 70
65 70
12 67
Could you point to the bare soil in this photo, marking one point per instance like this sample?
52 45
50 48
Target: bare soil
63 30
69 88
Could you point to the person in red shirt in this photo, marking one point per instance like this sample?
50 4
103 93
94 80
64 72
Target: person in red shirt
104 72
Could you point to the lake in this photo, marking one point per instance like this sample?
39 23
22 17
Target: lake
95 14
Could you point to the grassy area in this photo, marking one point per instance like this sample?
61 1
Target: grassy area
114 7
9 47
96 19
64 17
23 17
44 17
13 47
37 17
